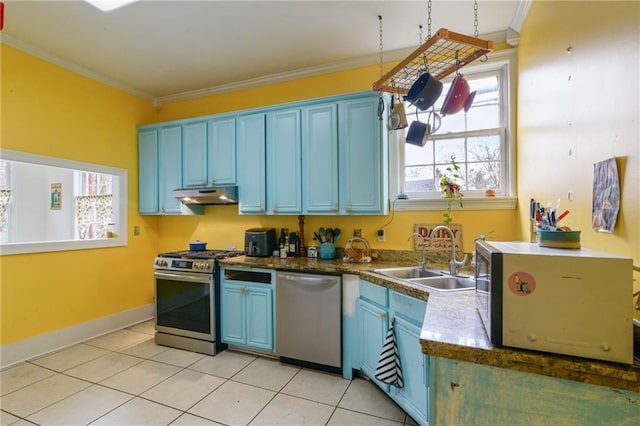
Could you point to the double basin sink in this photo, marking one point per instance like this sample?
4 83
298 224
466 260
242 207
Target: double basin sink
429 278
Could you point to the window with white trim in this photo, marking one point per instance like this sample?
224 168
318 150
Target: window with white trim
480 140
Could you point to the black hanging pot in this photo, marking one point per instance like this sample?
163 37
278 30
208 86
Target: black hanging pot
424 92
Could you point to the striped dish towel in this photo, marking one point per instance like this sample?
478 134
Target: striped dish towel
388 369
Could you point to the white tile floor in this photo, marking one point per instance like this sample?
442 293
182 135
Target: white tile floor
125 379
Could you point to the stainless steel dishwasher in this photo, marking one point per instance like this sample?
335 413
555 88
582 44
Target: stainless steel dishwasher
308 320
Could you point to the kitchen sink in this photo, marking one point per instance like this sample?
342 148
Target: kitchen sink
429 278
408 273
446 283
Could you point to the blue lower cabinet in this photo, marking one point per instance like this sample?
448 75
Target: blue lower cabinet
247 311
378 308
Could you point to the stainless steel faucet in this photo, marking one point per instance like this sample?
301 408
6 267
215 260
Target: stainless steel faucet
454 265
423 263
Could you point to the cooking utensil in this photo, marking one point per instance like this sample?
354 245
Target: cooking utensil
424 92
456 97
394 117
469 101
329 235
336 234
197 246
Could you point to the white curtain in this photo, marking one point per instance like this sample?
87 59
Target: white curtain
5 199
94 213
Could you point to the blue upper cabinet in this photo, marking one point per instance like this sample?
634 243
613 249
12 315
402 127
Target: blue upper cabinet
363 157
148 171
221 152
320 159
194 154
322 156
284 193
250 140
169 168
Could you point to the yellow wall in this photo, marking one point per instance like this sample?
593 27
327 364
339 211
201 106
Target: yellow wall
579 108
47 110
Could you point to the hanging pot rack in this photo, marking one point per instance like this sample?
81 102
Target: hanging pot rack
441 55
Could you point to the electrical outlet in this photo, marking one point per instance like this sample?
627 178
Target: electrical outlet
381 235
136 230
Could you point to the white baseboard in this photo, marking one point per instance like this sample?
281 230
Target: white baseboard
39 345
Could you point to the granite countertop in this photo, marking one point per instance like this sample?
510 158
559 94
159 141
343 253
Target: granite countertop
452 327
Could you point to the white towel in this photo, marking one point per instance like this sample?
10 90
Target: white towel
388 369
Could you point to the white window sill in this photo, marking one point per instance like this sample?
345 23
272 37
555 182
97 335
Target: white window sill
430 204
49 246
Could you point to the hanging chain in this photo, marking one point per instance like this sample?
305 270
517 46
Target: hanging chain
419 35
475 18
429 19
380 34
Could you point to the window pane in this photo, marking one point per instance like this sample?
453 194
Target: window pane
448 147
415 155
419 179
484 175
483 148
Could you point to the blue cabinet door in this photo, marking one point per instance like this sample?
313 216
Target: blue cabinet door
232 314
413 397
251 163
221 152
284 192
169 168
320 159
148 172
259 317
194 154
363 158
373 320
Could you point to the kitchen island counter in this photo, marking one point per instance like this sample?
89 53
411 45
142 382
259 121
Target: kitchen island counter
452 327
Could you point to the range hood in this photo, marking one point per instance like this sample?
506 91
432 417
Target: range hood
208 195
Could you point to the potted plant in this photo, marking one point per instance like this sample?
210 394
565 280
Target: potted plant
450 189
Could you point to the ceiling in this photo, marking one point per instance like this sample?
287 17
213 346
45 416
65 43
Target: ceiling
170 50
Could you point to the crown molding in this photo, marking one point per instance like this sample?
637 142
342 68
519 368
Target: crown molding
520 15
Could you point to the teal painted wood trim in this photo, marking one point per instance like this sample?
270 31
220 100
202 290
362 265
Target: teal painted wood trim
465 393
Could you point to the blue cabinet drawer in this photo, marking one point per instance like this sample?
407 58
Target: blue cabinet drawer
373 293
407 307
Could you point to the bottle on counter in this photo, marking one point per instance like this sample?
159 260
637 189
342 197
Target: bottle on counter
282 242
293 244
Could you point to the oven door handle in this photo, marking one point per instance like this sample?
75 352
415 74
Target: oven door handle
201 278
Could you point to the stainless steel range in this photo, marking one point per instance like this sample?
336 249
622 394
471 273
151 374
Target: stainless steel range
187 298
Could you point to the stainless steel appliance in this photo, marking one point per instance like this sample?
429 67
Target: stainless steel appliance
208 195
565 301
308 320
187 294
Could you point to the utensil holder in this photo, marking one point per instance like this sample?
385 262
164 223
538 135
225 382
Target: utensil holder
327 251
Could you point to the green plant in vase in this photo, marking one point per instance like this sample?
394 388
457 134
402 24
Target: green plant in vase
450 189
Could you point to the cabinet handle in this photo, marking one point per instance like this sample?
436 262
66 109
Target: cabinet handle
382 314
244 289
162 209
274 209
348 208
334 208
261 208
203 182
213 181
